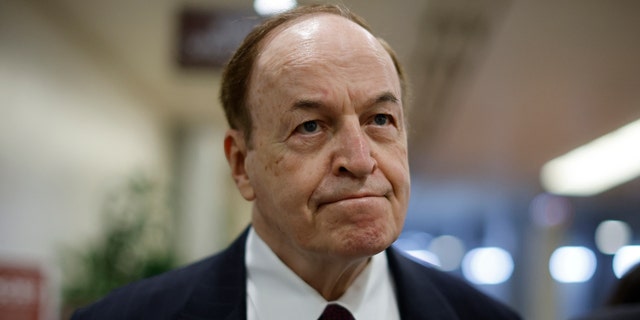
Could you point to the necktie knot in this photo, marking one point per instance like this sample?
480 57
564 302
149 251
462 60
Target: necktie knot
336 312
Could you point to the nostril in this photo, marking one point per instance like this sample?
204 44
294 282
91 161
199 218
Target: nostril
343 169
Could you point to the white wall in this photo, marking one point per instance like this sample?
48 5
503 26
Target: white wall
210 210
70 129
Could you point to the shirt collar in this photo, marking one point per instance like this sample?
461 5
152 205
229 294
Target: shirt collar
275 292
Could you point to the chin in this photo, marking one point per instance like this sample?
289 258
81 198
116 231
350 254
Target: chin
363 242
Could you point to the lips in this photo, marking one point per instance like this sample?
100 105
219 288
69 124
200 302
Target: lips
338 198
341 194
336 190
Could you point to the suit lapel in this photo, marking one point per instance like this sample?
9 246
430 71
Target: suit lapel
417 297
221 293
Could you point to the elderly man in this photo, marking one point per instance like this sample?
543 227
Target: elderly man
318 143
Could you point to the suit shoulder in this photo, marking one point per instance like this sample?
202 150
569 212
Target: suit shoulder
158 297
463 299
187 289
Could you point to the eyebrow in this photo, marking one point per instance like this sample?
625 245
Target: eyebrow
307 104
384 97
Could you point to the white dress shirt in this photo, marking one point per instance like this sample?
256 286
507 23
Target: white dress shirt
275 292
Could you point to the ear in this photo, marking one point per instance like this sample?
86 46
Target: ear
235 150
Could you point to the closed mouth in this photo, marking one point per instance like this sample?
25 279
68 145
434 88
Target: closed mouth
350 197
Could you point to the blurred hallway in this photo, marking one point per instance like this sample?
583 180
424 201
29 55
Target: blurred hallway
93 95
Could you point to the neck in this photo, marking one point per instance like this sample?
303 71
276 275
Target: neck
331 279
329 275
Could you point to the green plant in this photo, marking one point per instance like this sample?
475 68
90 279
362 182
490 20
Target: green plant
135 244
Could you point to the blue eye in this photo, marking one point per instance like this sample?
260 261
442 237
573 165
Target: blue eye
381 119
309 126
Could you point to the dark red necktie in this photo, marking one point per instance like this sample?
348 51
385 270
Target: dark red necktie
335 312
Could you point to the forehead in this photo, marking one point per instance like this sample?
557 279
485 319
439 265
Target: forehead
321 45
317 33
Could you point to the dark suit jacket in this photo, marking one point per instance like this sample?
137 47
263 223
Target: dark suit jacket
215 288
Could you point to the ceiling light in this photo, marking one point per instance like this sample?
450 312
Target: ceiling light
271 7
489 265
611 235
449 250
624 259
572 264
426 256
602 164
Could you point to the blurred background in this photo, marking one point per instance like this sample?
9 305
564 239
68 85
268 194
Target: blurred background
112 167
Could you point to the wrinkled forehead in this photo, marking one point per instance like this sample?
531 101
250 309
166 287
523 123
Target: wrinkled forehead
318 36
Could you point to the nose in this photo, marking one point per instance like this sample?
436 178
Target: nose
353 151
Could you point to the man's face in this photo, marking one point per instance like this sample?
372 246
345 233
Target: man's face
328 166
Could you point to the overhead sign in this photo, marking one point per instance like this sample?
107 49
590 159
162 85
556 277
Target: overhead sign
208 38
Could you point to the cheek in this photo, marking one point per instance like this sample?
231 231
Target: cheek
395 163
263 172
404 177
274 164
404 187
288 180
396 170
